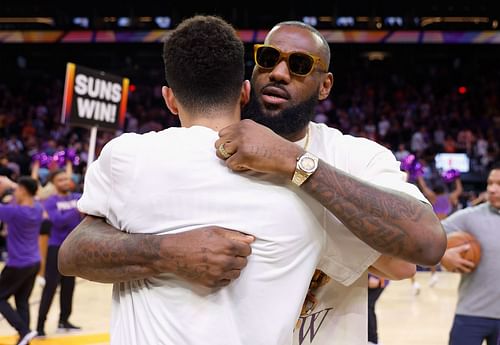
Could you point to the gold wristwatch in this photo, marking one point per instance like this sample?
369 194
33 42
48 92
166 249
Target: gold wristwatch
307 164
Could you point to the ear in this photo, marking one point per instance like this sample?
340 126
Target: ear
170 100
326 86
245 93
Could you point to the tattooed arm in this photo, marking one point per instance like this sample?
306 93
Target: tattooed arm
394 223
209 256
391 222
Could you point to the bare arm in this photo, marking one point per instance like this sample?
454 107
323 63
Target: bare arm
96 251
68 167
392 268
429 194
456 192
391 222
35 168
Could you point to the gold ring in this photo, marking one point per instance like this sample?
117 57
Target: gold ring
223 152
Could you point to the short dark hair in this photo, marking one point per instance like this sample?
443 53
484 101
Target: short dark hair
54 173
204 62
28 183
495 166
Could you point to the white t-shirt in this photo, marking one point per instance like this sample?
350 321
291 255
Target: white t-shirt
345 258
341 316
171 181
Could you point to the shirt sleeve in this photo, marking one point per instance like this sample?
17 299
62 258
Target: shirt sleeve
61 217
384 170
346 257
6 213
98 184
457 221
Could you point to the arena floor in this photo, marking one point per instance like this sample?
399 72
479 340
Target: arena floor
404 318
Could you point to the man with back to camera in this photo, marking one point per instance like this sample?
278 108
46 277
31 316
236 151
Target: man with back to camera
139 193
315 85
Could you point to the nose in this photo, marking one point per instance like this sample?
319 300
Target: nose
280 72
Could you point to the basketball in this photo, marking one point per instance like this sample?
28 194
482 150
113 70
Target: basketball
459 238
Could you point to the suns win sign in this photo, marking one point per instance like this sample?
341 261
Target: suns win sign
94 98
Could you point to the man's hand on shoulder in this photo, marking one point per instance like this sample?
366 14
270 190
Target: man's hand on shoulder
247 145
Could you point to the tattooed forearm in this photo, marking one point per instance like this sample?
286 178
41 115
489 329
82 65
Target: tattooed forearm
391 222
96 251
210 256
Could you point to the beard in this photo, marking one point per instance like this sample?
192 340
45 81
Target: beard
285 122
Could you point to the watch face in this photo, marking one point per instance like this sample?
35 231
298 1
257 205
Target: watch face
308 164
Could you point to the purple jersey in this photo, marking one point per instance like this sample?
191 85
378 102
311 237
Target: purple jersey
23 228
64 216
442 205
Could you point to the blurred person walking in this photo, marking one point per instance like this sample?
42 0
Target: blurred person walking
23 217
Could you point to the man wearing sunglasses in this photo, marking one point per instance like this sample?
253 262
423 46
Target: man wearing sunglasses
363 187
357 180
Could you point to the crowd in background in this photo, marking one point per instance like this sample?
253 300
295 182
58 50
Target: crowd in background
421 109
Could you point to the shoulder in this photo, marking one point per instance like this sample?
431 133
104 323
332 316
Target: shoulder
8 206
126 144
49 199
365 156
363 146
352 154
346 142
125 139
135 140
472 210
465 213
325 132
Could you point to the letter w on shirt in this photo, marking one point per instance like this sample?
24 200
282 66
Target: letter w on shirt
311 325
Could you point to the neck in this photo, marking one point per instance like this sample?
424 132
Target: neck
215 120
26 202
297 135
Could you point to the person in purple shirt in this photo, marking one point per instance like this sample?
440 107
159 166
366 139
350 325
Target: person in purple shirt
64 215
23 217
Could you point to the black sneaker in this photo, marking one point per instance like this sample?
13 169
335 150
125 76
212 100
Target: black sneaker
41 334
67 327
26 338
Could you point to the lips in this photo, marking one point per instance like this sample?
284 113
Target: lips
274 95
